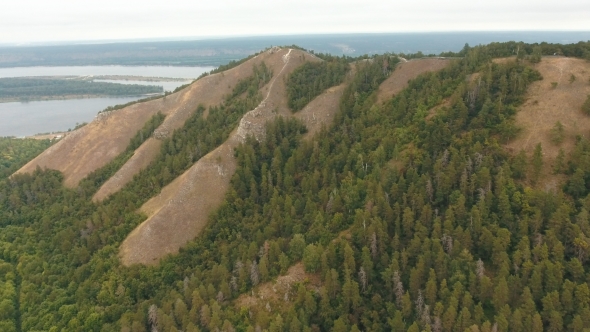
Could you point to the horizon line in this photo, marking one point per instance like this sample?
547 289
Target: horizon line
225 37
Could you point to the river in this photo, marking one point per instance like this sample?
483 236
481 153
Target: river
146 71
28 118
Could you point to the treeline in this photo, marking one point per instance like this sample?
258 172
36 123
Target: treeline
14 153
530 50
34 88
312 78
411 221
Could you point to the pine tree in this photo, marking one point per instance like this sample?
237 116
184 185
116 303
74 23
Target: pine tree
397 323
537 163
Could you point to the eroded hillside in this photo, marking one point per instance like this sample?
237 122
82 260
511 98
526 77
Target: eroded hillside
210 92
172 220
96 144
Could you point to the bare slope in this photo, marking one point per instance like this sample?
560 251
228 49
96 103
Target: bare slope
323 108
182 208
406 71
208 91
545 105
281 291
97 143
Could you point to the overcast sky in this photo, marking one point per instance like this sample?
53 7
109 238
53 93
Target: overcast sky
23 21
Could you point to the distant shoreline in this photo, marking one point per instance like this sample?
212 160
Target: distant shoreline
111 77
141 78
69 97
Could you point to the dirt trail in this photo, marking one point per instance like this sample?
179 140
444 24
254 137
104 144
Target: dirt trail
181 210
545 105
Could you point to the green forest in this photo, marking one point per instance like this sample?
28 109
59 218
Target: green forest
411 222
14 153
22 88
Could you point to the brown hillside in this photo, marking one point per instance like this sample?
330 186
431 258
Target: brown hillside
181 210
208 91
142 157
97 143
545 105
92 146
406 71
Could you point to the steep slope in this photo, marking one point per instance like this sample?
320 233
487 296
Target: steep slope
547 104
406 71
321 110
172 221
208 91
94 145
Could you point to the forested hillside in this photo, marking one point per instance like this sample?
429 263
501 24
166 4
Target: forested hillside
407 215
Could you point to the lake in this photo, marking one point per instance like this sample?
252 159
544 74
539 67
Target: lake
29 118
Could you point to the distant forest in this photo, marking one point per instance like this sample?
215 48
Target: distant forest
38 88
216 52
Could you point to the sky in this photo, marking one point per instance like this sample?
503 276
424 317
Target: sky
29 21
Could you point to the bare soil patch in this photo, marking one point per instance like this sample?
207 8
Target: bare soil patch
546 104
277 293
406 71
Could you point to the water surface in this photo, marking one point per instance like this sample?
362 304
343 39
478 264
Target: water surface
151 71
29 118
